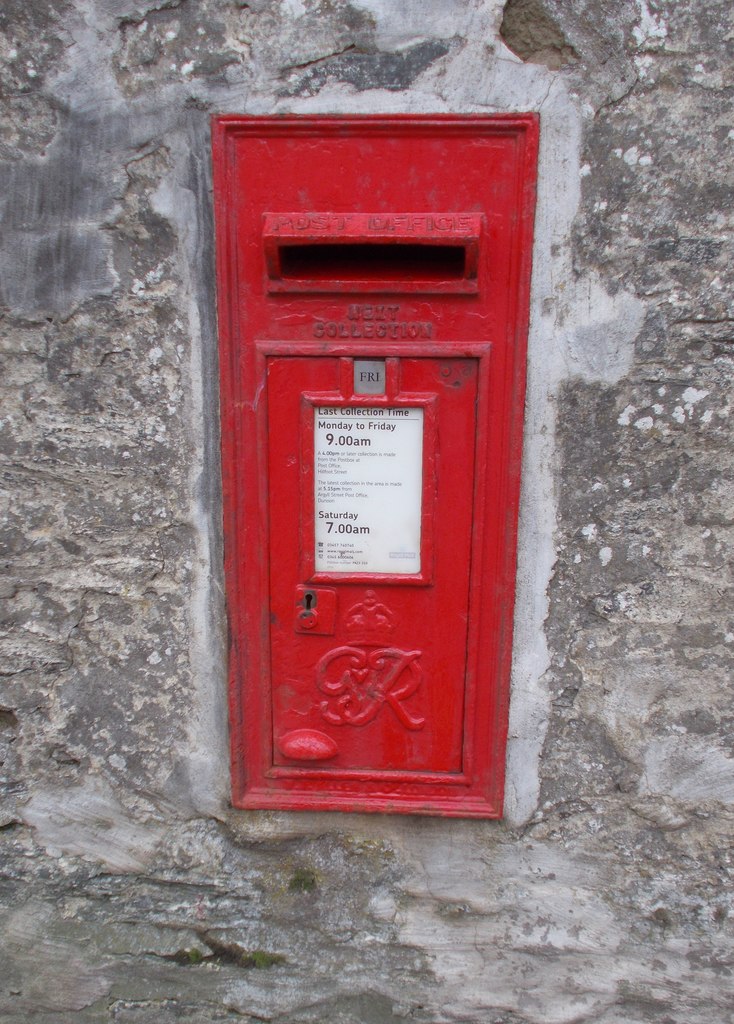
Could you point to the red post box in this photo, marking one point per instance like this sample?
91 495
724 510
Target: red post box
373 277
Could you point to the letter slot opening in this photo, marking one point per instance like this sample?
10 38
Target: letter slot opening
372 252
369 261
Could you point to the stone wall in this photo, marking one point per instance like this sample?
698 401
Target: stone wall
131 893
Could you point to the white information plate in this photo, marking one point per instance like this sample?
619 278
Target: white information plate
368 482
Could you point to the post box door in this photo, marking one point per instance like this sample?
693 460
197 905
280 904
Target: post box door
370 505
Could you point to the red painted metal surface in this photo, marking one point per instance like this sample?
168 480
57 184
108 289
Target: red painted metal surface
404 241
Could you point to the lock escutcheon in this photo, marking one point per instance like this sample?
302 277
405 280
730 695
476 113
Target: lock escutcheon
315 610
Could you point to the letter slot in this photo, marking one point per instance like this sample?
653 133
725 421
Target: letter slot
405 252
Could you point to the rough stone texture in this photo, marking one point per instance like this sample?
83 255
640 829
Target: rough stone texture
533 34
130 892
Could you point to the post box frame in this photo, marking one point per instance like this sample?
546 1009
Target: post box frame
256 781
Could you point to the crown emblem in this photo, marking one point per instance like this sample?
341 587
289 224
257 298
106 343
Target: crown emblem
369 623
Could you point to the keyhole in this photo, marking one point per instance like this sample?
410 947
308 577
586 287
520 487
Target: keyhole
308 600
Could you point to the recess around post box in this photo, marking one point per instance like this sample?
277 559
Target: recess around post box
373 278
